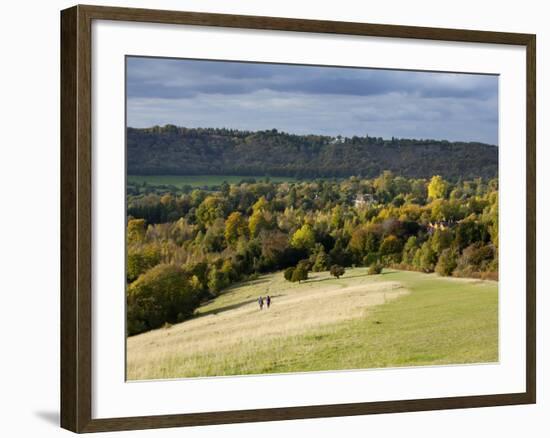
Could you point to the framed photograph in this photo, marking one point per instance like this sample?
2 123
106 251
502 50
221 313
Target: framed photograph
270 218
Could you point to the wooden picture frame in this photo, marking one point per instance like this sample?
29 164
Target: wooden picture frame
76 218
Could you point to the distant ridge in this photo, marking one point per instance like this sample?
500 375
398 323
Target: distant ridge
172 150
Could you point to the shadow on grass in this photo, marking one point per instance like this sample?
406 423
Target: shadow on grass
246 283
345 277
230 307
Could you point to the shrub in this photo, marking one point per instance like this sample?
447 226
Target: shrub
375 269
288 273
321 261
301 271
475 258
337 271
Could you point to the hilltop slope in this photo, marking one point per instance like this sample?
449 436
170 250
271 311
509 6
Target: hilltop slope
357 321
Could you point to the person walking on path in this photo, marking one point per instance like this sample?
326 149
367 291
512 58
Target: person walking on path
261 302
268 301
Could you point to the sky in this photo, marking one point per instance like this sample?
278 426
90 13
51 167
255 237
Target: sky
312 99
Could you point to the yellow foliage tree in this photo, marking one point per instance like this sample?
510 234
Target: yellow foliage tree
303 238
136 230
235 227
437 188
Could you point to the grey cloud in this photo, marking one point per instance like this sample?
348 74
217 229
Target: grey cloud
307 99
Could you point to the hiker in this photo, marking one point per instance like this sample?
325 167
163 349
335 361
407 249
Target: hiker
268 301
261 302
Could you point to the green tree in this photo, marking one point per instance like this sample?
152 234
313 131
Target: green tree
303 238
384 185
216 280
363 242
441 240
437 188
337 217
446 263
419 191
228 272
409 250
301 272
428 257
391 245
162 294
467 232
321 261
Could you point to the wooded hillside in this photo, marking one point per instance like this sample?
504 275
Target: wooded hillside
172 150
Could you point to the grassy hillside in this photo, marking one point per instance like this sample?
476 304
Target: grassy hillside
394 319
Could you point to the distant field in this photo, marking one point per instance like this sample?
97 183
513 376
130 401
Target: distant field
395 319
199 180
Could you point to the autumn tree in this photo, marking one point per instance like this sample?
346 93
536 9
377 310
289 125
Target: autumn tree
210 209
140 259
303 238
136 231
259 221
235 227
363 242
437 188
391 245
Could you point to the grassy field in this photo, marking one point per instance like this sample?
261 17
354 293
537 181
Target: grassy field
394 319
198 180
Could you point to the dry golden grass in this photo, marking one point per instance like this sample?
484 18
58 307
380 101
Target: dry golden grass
227 333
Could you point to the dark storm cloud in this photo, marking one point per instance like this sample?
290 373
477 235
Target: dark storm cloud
304 99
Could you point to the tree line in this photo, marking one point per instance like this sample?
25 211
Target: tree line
205 240
172 150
